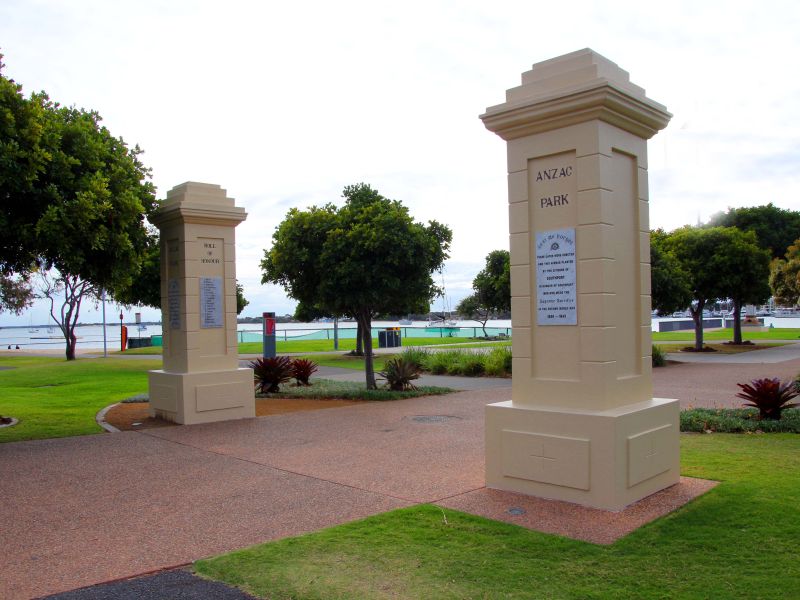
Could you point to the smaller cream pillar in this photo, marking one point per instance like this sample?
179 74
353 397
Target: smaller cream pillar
201 380
582 424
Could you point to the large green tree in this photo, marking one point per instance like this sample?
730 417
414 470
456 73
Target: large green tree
721 262
365 258
776 228
669 283
784 278
74 199
491 289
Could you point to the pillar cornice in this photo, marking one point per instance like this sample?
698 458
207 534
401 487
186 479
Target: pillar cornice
601 100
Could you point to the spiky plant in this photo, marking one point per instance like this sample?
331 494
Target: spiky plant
270 373
399 374
302 369
769 396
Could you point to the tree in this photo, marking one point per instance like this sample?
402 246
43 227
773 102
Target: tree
746 274
241 301
75 198
669 283
776 228
720 262
15 293
27 143
365 258
784 277
492 289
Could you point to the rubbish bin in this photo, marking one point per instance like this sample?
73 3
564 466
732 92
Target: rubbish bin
389 338
139 343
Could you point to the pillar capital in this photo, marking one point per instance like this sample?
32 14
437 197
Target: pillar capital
198 203
574 88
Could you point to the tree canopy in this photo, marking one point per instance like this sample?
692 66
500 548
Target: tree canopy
491 289
74 198
669 283
720 262
775 228
784 278
367 257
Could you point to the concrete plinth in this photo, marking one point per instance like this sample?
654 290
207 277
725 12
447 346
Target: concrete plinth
202 397
582 425
603 459
201 380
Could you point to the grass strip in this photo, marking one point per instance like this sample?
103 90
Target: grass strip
776 333
327 389
737 541
53 397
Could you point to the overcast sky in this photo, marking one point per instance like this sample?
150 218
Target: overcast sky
285 103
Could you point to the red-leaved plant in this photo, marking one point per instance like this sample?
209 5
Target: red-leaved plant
302 369
769 396
270 373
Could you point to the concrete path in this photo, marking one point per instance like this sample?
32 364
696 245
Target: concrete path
775 355
84 510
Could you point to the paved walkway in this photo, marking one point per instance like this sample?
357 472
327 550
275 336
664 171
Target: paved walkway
79 511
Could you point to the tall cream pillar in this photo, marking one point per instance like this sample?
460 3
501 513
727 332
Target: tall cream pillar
582 424
201 380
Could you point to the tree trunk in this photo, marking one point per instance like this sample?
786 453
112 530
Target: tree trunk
72 340
483 324
697 316
365 322
359 351
737 321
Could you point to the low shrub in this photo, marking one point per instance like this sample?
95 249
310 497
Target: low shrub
399 373
769 396
416 356
270 373
302 370
737 420
498 362
442 363
351 390
659 356
471 364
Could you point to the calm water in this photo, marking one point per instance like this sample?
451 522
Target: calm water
91 336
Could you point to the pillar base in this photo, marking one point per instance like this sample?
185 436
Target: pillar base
603 459
204 397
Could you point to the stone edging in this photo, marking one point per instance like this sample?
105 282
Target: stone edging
100 417
13 422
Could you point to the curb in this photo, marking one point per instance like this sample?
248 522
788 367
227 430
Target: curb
100 418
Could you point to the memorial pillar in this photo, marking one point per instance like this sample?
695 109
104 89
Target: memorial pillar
582 424
201 380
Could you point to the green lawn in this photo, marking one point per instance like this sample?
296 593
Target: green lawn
348 362
295 346
55 398
737 541
727 334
